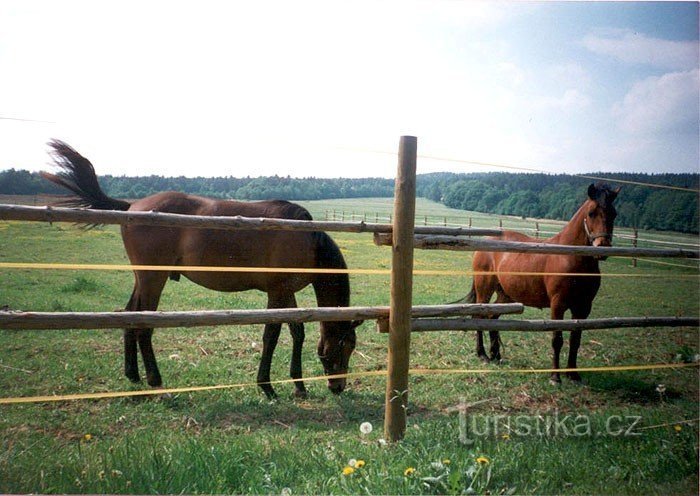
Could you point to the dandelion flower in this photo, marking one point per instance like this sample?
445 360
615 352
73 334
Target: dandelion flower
409 471
505 437
677 428
446 461
87 437
365 427
101 475
348 470
482 460
359 463
352 462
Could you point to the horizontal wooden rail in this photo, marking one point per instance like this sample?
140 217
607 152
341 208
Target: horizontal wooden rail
140 320
468 244
160 219
427 325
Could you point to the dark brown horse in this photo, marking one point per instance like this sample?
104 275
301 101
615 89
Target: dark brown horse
210 247
592 225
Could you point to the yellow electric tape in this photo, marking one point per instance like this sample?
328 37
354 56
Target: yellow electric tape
199 268
352 375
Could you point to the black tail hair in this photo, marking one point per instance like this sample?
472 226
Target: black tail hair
78 175
470 298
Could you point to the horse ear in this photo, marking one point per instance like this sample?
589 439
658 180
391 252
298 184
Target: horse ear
592 191
615 192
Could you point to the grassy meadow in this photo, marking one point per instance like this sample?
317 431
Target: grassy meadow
517 435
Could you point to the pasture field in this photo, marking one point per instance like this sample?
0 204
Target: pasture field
619 433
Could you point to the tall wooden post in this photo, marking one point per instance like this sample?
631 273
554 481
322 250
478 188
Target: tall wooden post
401 291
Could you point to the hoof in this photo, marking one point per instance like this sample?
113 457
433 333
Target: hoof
574 377
155 381
484 358
269 392
300 394
133 377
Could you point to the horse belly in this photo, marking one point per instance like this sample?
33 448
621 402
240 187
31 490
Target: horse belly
530 290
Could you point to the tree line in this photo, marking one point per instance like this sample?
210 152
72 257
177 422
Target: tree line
526 195
558 196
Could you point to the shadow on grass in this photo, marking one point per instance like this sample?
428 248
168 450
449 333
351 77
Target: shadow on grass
630 389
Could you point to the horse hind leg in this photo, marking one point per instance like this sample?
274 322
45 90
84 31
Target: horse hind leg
131 364
495 336
146 295
481 292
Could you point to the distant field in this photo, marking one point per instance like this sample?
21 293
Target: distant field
235 441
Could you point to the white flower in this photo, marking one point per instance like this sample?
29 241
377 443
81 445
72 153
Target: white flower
286 491
382 442
661 389
365 427
352 462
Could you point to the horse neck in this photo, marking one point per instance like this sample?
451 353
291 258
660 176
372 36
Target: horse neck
574 232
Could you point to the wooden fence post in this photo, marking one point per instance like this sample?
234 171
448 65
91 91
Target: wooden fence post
396 401
634 244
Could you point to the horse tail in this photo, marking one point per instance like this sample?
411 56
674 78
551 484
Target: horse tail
332 290
470 298
78 175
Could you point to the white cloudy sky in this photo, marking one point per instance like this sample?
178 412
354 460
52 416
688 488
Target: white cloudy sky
294 88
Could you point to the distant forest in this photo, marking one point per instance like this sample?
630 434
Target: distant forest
526 195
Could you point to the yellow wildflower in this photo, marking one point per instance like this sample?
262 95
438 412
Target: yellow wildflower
482 460
677 428
409 471
87 437
505 437
348 470
359 463
446 461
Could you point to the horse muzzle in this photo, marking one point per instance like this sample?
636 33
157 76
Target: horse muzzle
337 386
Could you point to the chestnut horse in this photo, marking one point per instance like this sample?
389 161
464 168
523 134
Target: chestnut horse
591 225
147 245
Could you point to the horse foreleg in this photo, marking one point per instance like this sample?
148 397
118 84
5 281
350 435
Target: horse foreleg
574 343
557 313
270 337
297 332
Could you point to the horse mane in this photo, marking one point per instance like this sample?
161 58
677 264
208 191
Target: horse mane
330 289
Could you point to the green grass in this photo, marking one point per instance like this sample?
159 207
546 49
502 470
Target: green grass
235 441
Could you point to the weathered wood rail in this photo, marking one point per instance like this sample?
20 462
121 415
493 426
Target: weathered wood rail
469 244
138 320
161 219
428 325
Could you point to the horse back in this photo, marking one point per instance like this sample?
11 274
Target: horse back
223 248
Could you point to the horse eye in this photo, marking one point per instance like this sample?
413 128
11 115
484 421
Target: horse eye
591 214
